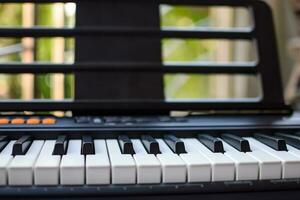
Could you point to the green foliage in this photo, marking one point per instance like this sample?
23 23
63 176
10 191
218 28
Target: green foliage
43 52
69 86
10 15
183 16
182 85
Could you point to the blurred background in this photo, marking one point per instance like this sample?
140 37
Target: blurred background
61 50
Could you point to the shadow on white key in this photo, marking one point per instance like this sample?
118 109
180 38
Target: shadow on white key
173 167
293 150
198 166
46 169
269 166
98 165
72 165
148 167
290 163
223 167
5 159
123 167
246 167
20 170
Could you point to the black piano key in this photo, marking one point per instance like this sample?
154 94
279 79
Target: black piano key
237 142
150 144
175 144
3 142
21 146
60 146
292 140
125 145
275 143
87 147
213 143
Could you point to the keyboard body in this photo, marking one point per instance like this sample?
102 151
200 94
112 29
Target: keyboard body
110 127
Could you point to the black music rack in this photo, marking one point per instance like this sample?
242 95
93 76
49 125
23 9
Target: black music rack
90 31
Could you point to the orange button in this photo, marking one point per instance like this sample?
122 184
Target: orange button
49 121
33 121
18 121
4 121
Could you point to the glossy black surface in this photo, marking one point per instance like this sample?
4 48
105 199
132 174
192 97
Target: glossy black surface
211 142
150 144
290 139
3 142
60 147
175 144
87 146
125 145
274 142
237 142
21 146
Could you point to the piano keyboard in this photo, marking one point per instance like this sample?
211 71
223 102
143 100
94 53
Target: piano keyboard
147 160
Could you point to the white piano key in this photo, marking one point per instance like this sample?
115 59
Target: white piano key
290 162
123 167
293 150
223 167
198 166
269 166
164 148
72 168
173 167
46 169
148 167
246 167
20 170
5 159
98 165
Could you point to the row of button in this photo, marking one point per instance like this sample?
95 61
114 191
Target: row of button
32 121
117 120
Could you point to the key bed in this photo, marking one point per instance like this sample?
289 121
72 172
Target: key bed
104 162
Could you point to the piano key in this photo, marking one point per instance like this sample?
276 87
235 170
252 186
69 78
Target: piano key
123 169
5 159
60 147
290 163
173 167
21 145
198 166
72 169
20 170
87 147
237 142
46 168
293 150
125 145
212 143
148 167
269 166
223 167
97 165
246 167
150 144
292 140
175 144
3 142
271 141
